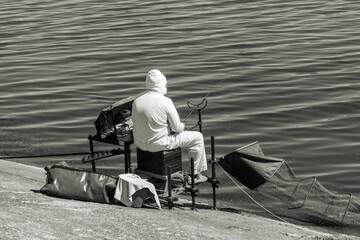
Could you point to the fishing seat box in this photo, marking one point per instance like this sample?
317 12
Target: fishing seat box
157 162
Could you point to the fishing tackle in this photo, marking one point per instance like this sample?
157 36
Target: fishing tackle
198 107
45 155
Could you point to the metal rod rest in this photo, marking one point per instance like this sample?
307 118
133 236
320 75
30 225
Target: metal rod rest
45 155
193 190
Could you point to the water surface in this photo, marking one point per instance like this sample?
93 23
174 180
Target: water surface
284 73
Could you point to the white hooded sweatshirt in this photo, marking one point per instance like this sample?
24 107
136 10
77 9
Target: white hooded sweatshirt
154 116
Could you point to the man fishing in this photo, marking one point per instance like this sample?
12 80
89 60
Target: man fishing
157 125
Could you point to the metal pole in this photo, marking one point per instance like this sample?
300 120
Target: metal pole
347 208
200 122
214 185
92 152
192 183
170 198
127 157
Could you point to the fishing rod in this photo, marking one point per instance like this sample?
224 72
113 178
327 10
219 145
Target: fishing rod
47 155
196 107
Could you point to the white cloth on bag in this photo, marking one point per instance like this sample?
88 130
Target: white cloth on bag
129 184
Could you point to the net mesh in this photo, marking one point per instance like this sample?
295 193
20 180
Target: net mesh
308 200
304 199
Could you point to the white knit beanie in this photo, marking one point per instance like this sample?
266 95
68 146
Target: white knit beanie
155 79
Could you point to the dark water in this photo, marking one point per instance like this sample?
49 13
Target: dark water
284 73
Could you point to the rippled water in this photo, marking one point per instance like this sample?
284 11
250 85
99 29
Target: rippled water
284 73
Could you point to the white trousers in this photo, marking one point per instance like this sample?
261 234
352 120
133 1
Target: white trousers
193 142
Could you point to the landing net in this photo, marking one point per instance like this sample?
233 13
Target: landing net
304 199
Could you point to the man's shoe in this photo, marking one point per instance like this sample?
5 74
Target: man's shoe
198 179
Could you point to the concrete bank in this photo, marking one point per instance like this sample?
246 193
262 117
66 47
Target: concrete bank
27 214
